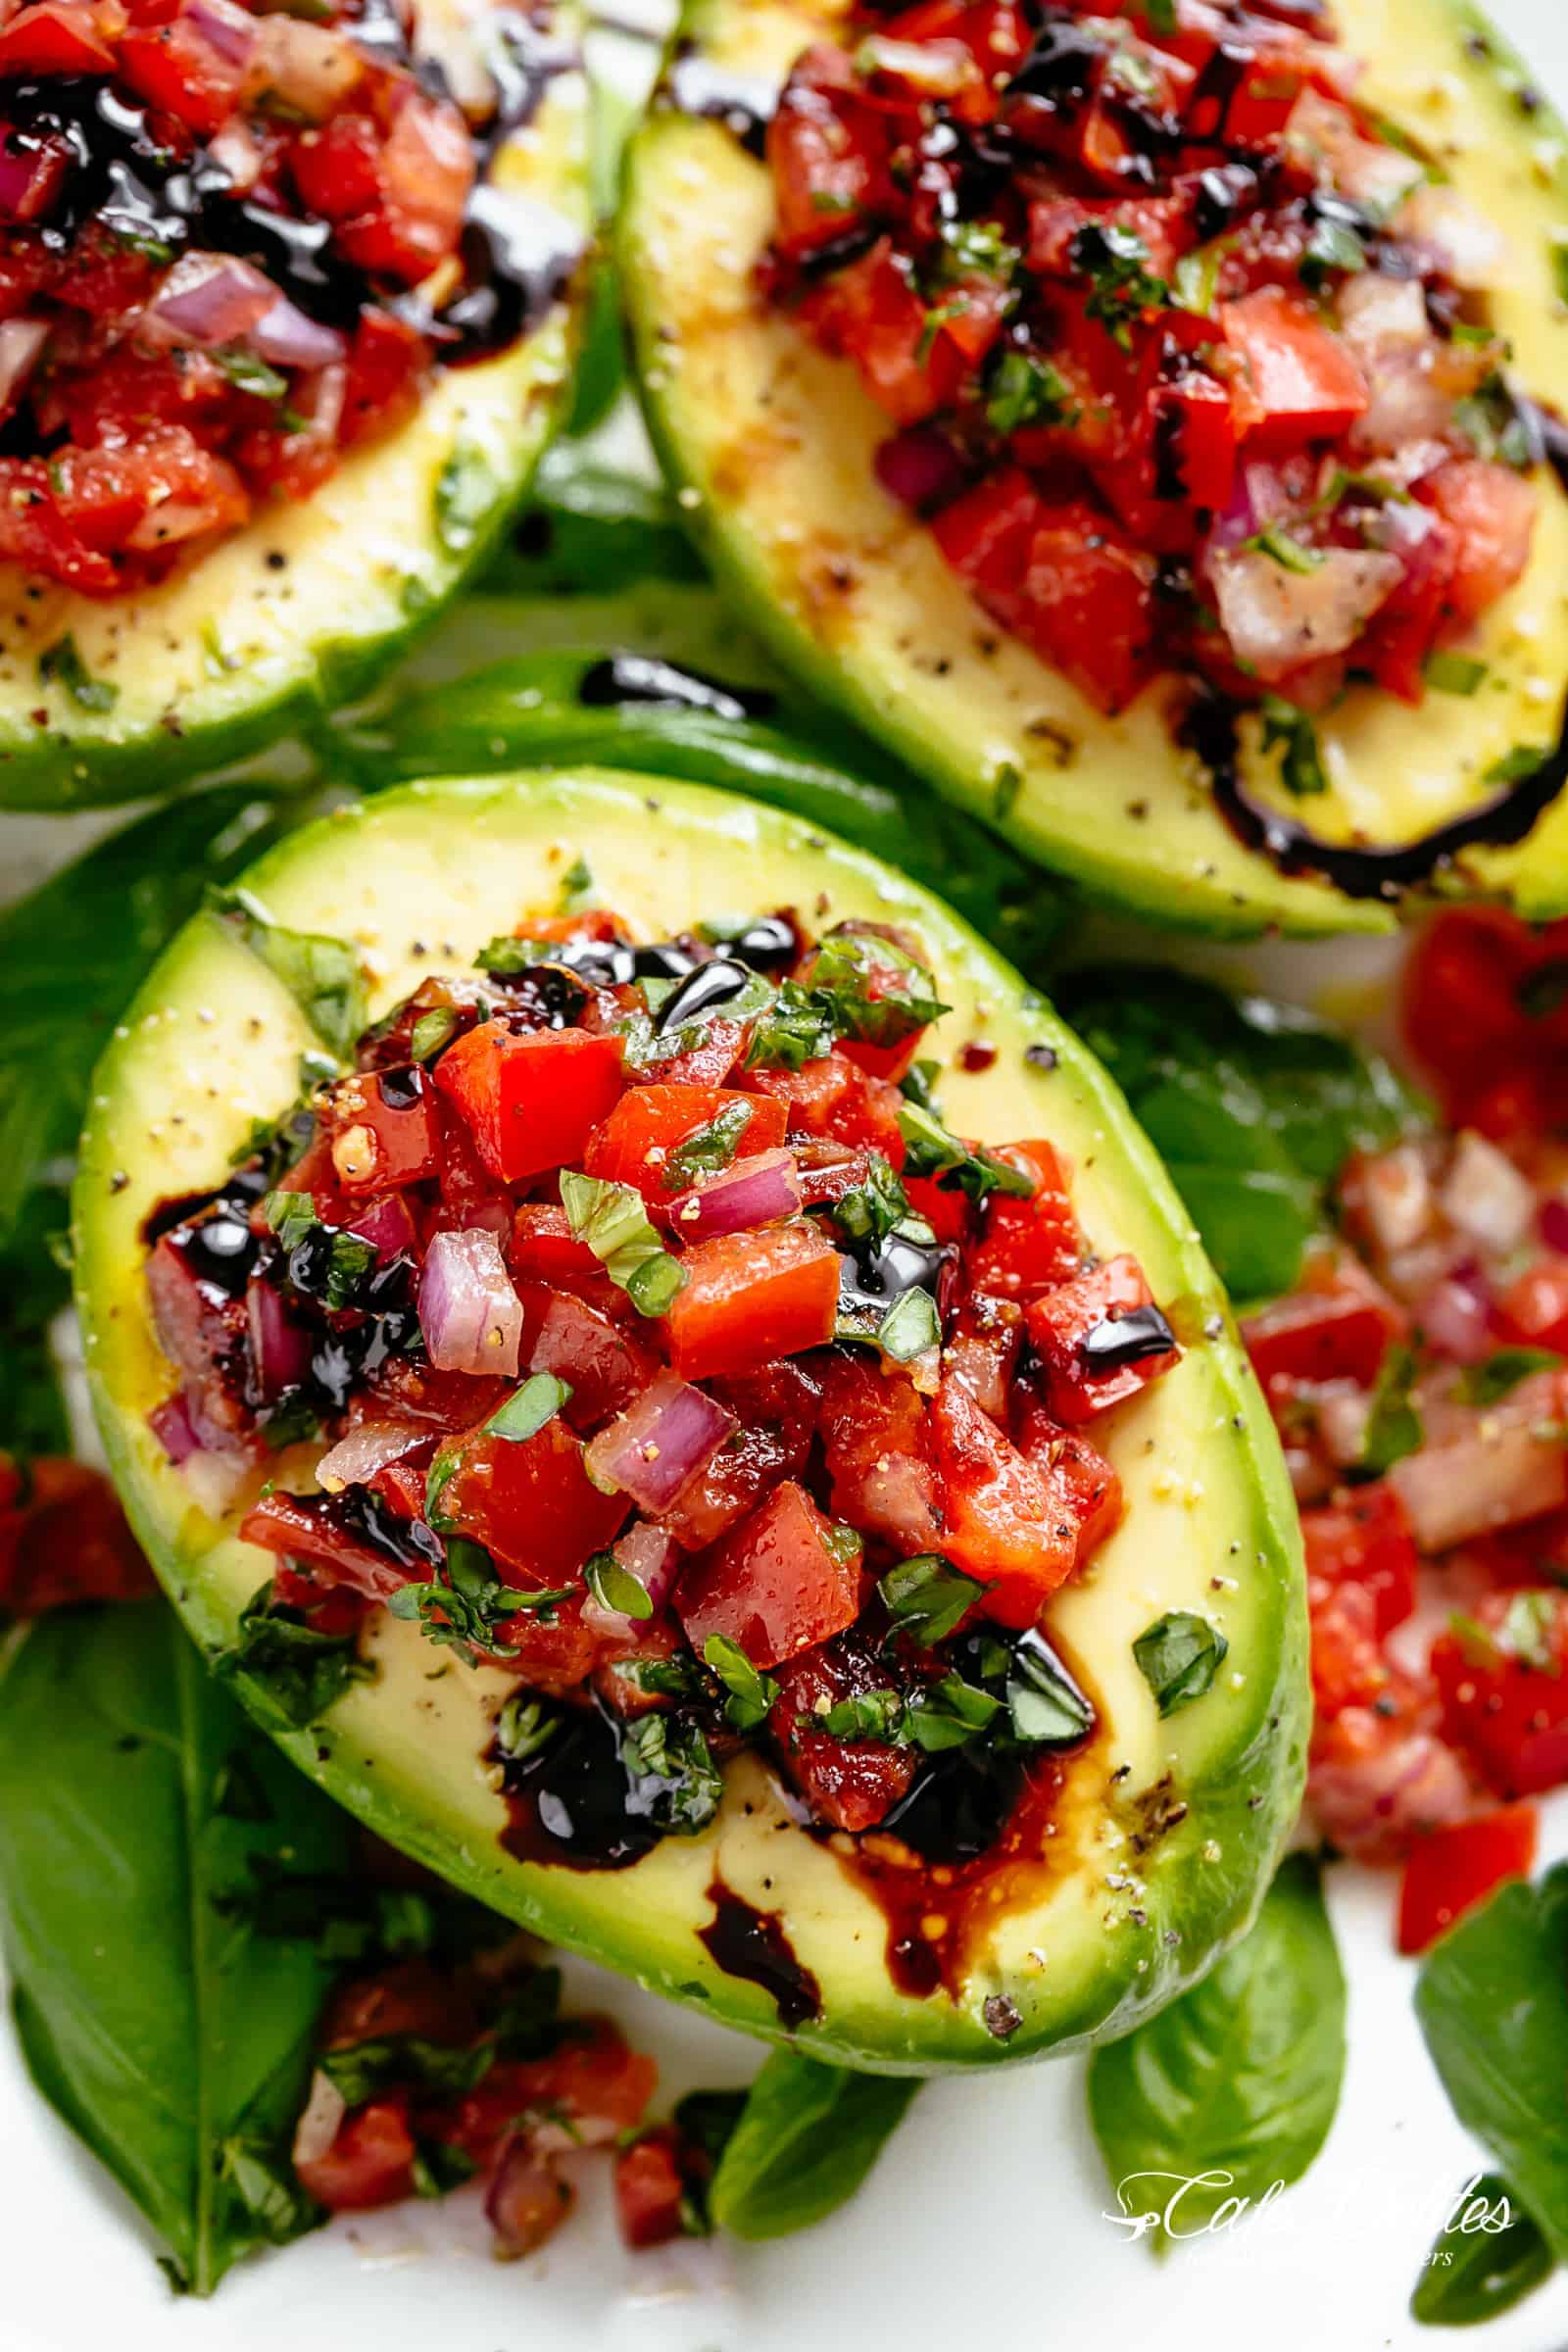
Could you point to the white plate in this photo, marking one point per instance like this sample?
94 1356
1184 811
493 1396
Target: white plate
988 2215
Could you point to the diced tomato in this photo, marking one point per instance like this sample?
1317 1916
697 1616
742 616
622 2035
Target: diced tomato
530 1503
708 1062
1503 1680
775 1411
1364 1539
542 1249
306 1528
387 361
1027 1246
554 1650
1296 381
1534 1308
648 1123
1449 1871
1463 1011
335 168
984 1342
751 1297
370 2163
590 2089
34 534
878 1454
1490 512
834 1099
202 1331
531 1100
827 150
946 1209
1339 1325
54 36
1067 1325
852 1784
64 1539
1086 1491
1381 1776
1348 1666
785 1580
424 170
650 2193
1005 1520
601 1362
194 65
615 1664
411 1996
871 312
382 1129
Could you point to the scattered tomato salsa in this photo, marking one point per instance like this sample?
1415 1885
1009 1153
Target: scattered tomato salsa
1419 1378
235 244
630 1318
1187 351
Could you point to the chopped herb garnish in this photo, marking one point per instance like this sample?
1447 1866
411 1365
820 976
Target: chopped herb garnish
1046 1706
933 1152
1195 283
614 1587
614 1222
432 1031
679 1786
1122 286
927 1597
528 1409
1289 552
524 1726
321 974
248 374
292 1673
1291 733
1455 673
709 1148
1515 766
870 1211
872 1715
463 1611
1393 1426
1335 247
61 664
1178 1657
751 1692
1488 1382
910 1326
976 249
1025 390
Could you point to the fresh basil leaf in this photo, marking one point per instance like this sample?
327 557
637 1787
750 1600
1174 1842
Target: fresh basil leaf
289 1674
709 1149
933 1152
1045 1706
438 2167
524 1726
706 2120
675 1783
616 1587
870 1211
613 1221
1489 1382
807 2137
1178 1657
323 975
926 1596
466 1609
1234 2086
1493 2004
1255 1108
528 1409
1393 1426
34 1288
910 1326
365 2069
1488 2256
868 1715
62 664
172 2039
948 1714
430 1032
751 1692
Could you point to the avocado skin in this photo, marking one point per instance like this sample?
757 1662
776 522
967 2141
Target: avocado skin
1213 886
1199 1819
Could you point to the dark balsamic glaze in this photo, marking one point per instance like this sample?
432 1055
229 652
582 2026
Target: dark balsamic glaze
367 1517
548 995
877 1272
745 103
571 1801
706 990
750 1943
769 944
1130 1339
1224 192
221 1251
644 678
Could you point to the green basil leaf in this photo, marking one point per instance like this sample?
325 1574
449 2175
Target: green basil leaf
675 1783
616 1587
62 664
910 1326
1393 1426
1493 2004
323 975
289 1674
524 1726
933 1152
527 1410
707 2121
1178 1657
948 1714
808 2137
1488 2256
926 1596
751 1692
1045 1706
172 2039
613 1221
1488 1382
1234 2086
868 1715
365 2069
709 1149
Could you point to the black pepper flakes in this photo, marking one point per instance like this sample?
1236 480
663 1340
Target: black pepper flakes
1041 1057
1002 2017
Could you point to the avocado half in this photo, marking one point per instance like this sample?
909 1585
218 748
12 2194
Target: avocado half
1166 1832
772 443
301 610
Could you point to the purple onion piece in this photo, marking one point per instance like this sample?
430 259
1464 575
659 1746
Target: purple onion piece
660 1444
470 1313
763 1189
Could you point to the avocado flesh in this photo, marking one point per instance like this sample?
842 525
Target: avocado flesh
773 443
302 609
420 878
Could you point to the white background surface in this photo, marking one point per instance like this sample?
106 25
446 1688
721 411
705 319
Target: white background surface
987 2217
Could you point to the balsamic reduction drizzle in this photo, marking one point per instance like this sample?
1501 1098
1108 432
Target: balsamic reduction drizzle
745 103
707 990
750 1943
1129 1338
644 678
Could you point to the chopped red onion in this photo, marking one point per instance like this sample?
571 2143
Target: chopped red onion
233 150
368 1446
22 341
1455 1315
468 1311
230 31
318 2122
648 1555
920 468
527 2197
208 299
659 1445
286 337
762 1190
1275 620
280 1349
386 1225
173 1426
311 67
1502 1474
1397 1194
1484 1195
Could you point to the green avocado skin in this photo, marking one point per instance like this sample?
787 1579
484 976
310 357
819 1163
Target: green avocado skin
1203 1801
1104 860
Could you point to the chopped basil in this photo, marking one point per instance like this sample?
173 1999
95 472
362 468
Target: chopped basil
676 1784
1026 390
1178 1657
1115 261
248 374
290 1422
872 1715
927 1597
1045 1706
751 1692
365 2069
576 885
336 1270
463 1610
1489 1382
1290 552
709 1148
524 1726
1159 14
1196 280
1455 673
910 1327
1394 1426
615 1223
1493 423
291 1215
870 1211
61 664
1525 1633
948 1714
614 1587
292 1674
795 1029
430 1032
1334 246
465 490
977 249
437 2167
933 1152
321 974
1515 765
527 1410
1291 733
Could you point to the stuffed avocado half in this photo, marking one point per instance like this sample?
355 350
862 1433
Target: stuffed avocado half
883 544
226 518
1143 1836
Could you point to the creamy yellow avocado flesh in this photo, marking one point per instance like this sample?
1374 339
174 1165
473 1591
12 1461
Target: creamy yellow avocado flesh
1166 1832
772 443
299 611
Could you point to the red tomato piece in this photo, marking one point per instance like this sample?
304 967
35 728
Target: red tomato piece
555 1654
751 1297
785 1580
775 1411
54 36
1348 1666
1503 1681
827 150
303 1528
651 2193
192 68
851 1784
1490 512
648 1123
1449 1871
1534 1308
531 1504
387 361
1339 1325
833 1098
370 2162
877 1449
531 1100
1085 1490
869 312
542 1249
383 1130
593 2087
1025 1247
1068 1324
1005 1517
64 1539
1299 381
602 1364
1364 1540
